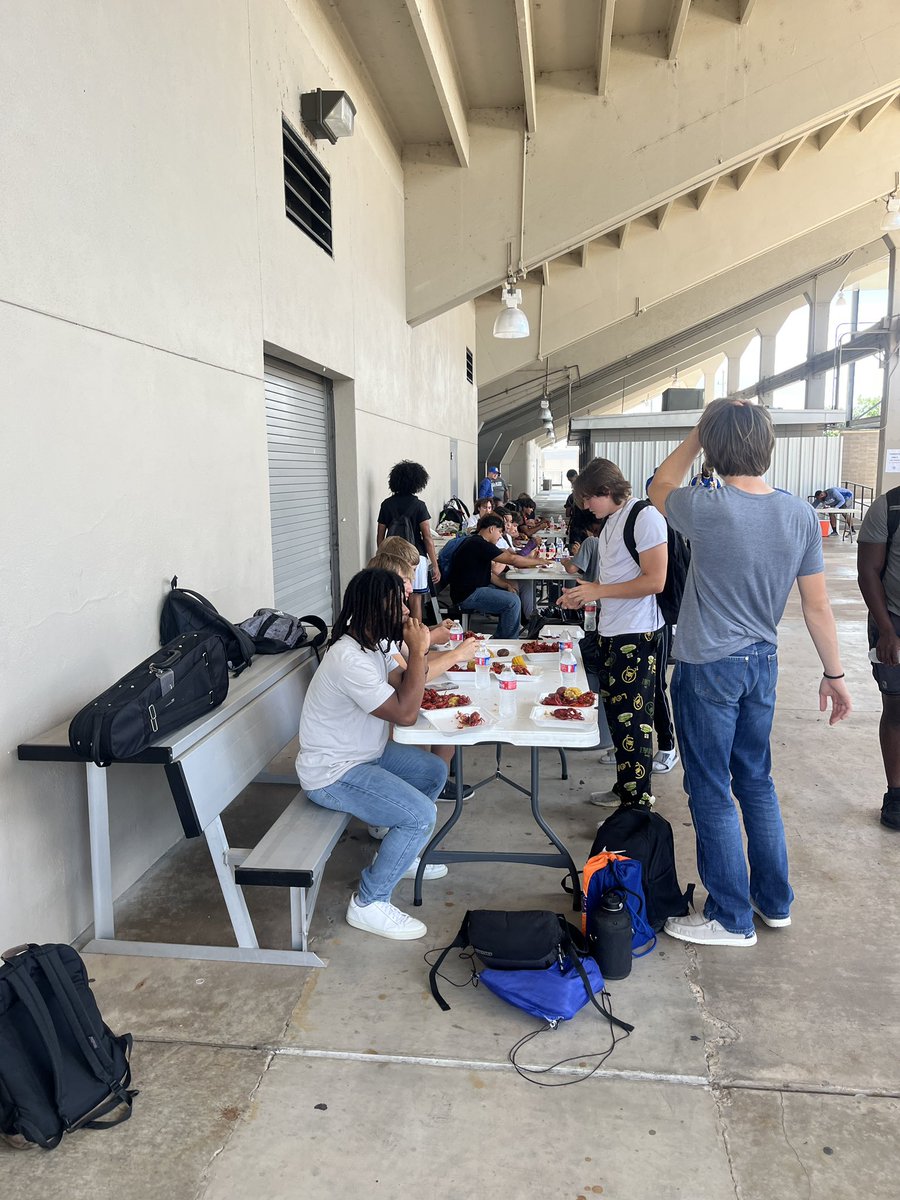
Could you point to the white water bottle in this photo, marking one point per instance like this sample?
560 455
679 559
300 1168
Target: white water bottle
482 667
456 633
565 641
509 681
560 548
568 665
590 616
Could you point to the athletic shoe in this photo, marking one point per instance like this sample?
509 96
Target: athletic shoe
18 1141
448 791
890 811
379 831
432 871
608 758
696 928
383 919
772 922
664 760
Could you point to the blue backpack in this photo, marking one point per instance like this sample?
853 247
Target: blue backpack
445 558
605 872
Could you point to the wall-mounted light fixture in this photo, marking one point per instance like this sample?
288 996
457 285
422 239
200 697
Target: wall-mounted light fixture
511 322
327 114
891 218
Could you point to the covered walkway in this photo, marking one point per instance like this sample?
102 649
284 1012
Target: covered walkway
763 1074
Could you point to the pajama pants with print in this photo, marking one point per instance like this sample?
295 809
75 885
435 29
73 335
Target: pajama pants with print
627 686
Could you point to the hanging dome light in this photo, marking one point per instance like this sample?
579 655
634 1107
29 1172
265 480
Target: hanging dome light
841 301
511 322
891 219
545 404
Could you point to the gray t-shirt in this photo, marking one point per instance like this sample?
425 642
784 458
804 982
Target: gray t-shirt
746 552
874 529
587 560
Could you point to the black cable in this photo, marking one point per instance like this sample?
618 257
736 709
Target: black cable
527 1072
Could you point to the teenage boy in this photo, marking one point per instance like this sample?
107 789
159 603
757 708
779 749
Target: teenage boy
470 576
748 545
878 565
629 623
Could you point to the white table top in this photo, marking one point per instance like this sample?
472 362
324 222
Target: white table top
519 730
548 570
550 533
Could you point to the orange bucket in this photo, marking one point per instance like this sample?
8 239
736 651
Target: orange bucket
825 526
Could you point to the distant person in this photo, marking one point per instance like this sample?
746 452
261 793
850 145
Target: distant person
878 561
470 576
483 505
569 506
749 544
493 486
706 479
403 514
835 498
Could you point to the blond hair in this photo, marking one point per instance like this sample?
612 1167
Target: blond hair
398 555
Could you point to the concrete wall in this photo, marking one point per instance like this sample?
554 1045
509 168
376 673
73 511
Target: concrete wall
860 460
145 266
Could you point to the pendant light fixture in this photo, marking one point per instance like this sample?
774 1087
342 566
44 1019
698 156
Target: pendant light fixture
891 220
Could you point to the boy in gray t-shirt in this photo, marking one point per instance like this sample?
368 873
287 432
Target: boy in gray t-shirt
879 581
748 545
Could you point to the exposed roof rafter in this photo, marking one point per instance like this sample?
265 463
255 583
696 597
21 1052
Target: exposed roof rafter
872 112
434 39
604 43
784 155
526 56
827 132
677 22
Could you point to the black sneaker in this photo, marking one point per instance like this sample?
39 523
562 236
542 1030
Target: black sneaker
890 811
449 791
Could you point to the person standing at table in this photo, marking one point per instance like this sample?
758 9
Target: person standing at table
835 498
403 514
347 761
749 544
628 623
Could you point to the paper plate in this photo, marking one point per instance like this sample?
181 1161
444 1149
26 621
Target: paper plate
541 715
444 719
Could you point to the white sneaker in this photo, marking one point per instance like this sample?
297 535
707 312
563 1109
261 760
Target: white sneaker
432 871
378 831
608 757
772 922
664 760
696 928
382 918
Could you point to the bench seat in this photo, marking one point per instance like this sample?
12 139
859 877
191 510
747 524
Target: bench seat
295 850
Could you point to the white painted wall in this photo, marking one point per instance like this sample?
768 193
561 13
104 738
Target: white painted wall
145 263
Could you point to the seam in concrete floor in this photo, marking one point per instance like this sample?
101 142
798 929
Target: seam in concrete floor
793 1148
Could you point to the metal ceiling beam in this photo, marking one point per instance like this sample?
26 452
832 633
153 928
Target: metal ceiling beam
677 21
526 57
434 39
604 43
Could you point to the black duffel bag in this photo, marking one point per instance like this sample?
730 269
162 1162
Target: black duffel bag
61 1067
180 682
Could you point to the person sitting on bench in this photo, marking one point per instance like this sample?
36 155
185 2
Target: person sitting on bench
347 761
470 576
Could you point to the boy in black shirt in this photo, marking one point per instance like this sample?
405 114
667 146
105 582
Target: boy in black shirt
470 576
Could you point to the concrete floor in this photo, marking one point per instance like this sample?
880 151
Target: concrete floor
764 1074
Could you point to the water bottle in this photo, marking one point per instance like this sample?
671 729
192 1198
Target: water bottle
609 936
456 633
590 616
565 640
482 667
509 681
568 665
560 548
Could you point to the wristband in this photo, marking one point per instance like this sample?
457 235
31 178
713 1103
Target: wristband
825 675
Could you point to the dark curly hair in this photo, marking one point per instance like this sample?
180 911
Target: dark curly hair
407 478
372 612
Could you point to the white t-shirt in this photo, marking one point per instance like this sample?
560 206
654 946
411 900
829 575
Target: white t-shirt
337 729
617 566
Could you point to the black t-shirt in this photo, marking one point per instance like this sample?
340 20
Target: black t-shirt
471 567
405 506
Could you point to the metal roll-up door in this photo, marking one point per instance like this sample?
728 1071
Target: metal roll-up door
299 430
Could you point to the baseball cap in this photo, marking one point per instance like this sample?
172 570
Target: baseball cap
491 469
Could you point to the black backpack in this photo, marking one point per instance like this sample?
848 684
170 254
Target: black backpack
184 611
61 1067
276 632
454 510
644 835
669 599
402 527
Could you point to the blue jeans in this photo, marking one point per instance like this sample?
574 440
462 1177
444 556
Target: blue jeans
495 600
398 790
723 715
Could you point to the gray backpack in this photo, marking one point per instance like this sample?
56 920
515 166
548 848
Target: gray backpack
275 632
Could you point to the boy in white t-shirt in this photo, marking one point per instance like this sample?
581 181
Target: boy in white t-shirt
629 624
347 761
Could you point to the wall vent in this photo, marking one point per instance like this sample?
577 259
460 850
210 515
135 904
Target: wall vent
307 189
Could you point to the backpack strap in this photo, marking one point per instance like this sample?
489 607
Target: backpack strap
893 522
321 635
461 939
33 1003
83 1028
573 944
628 529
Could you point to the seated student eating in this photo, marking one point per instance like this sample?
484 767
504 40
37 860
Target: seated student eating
347 761
470 576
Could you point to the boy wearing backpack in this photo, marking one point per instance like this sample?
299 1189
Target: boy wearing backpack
749 543
629 623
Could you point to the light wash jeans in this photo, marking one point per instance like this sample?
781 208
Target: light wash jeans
496 600
398 790
723 716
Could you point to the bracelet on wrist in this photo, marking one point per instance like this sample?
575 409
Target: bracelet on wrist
825 675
